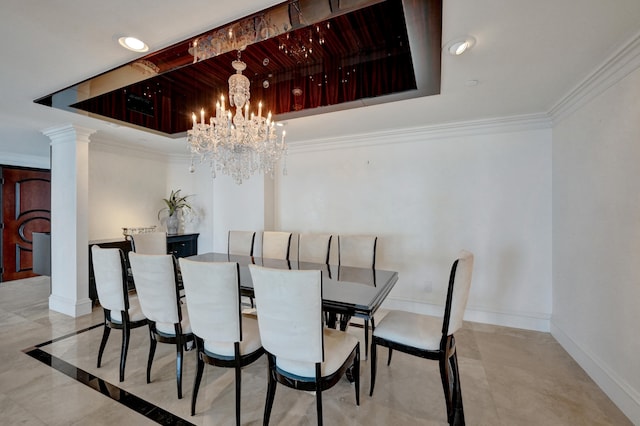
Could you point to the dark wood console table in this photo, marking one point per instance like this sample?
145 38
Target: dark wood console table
180 245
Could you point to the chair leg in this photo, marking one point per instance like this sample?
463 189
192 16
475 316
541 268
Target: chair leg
373 365
331 319
103 344
196 383
458 410
271 392
366 338
152 350
318 395
238 387
445 377
126 334
356 373
451 387
179 351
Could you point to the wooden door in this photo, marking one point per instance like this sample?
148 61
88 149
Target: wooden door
26 208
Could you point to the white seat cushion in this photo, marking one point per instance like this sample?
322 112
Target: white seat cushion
249 344
169 329
337 347
418 331
135 312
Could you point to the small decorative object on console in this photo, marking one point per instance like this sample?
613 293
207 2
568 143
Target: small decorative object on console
175 205
127 232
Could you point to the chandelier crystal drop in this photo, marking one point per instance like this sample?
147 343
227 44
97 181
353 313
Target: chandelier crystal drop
238 145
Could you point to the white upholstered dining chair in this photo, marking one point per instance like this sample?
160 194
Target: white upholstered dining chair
276 245
358 251
121 310
224 337
431 337
302 353
240 243
156 281
314 248
149 243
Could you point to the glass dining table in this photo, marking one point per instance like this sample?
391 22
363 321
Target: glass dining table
346 291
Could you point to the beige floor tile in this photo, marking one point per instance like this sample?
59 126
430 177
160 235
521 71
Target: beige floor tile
509 377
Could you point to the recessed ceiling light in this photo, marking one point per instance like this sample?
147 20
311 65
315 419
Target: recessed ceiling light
460 45
133 44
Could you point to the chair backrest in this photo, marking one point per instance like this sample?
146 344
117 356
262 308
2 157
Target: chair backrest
357 250
290 313
241 242
155 281
314 248
212 292
276 244
149 243
110 282
458 292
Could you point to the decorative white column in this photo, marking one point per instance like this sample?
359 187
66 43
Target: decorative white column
69 221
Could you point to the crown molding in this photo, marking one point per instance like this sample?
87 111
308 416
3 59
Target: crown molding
23 160
113 147
616 67
419 134
516 123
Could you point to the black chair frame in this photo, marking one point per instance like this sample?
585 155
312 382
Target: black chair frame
446 356
238 362
320 384
181 340
126 325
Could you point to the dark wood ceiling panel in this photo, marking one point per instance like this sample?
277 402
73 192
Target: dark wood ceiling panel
362 54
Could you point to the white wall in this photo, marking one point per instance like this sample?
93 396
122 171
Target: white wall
427 196
239 207
199 186
126 188
596 240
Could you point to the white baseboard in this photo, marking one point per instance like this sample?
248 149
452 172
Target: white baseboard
615 387
70 307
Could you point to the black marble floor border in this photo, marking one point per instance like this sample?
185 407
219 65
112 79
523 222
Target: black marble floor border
147 409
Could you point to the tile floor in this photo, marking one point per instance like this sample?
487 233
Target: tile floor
509 377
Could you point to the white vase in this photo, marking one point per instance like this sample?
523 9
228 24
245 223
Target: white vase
172 224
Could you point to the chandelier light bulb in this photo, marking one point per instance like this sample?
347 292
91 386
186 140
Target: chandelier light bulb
240 145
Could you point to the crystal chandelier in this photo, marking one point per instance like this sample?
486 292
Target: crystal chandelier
237 145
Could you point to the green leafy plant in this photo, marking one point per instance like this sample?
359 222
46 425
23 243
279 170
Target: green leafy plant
174 203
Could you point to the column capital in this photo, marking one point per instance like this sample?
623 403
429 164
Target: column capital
68 133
